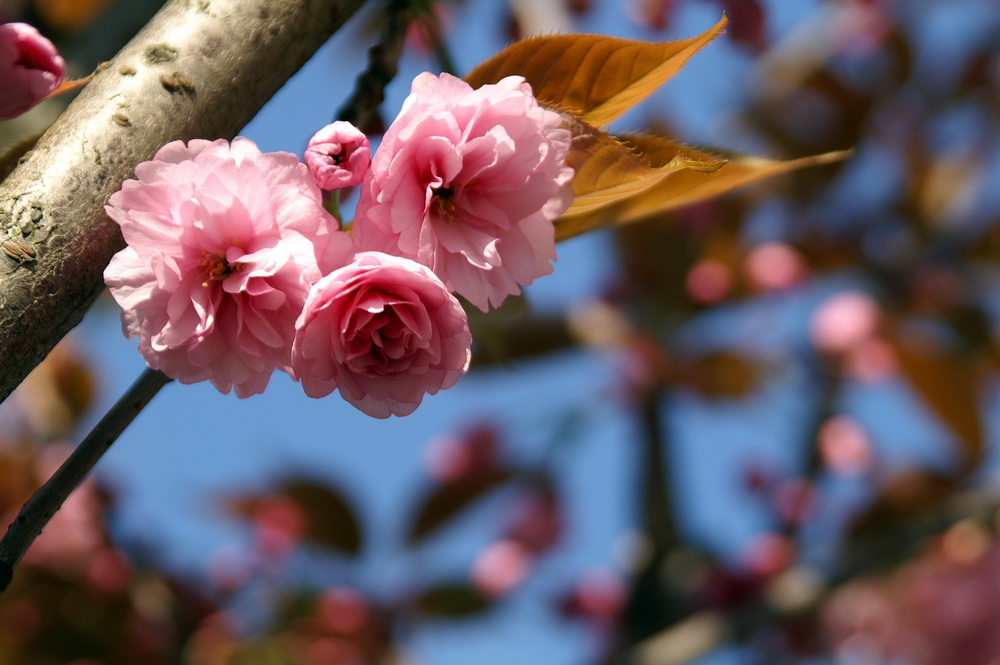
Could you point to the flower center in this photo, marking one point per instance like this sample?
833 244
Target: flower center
335 154
443 204
217 267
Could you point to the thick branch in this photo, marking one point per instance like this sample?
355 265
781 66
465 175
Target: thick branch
200 69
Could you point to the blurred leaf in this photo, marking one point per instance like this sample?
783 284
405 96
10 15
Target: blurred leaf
57 393
723 375
947 383
70 15
444 502
507 340
593 76
902 500
694 176
329 518
452 599
513 332
18 476
262 650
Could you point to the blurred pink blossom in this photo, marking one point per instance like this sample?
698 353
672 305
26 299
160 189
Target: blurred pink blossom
537 521
709 281
384 330
844 446
343 610
279 526
330 651
501 567
940 609
109 571
768 554
843 321
598 595
224 243
473 453
229 569
775 266
872 360
468 182
794 500
75 533
861 27
30 68
338 156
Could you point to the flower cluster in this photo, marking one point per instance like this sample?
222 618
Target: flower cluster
30 68
468 182
233 267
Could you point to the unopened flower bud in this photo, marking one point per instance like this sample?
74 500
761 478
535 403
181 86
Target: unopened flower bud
338 156
30 68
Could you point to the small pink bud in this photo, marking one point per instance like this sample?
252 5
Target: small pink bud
338 156
30 68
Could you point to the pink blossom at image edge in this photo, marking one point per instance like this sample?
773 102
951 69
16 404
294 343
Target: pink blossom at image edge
30 68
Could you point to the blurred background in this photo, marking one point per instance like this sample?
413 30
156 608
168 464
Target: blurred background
755 431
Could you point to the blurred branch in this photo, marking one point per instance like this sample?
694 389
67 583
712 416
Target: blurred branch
683 642
651 605
44 503
828 373
197 70
383 62
504 339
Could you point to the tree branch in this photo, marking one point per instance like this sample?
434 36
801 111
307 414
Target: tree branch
383 62
199 69
44 503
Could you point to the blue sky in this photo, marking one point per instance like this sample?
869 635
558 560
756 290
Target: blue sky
193 445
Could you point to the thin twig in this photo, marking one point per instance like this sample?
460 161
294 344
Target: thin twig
383 62
48 498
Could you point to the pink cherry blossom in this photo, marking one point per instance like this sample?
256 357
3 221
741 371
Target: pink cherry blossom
468 183
338 156
30 68
224 243
384 330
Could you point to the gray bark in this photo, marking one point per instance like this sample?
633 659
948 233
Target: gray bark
199 69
